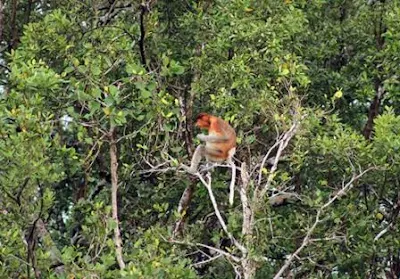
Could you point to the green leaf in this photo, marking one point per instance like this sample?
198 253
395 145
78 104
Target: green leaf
338 94
145 94
113 90
134 69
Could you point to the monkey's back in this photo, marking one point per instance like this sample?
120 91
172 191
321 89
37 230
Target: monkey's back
219 127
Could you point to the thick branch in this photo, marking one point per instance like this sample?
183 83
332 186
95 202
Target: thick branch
32 236
248 218
248 264
184 203
373 111
28 11
114 192
186 108
143 11
1 20
13 25
218 213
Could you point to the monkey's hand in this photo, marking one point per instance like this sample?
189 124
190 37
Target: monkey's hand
211 138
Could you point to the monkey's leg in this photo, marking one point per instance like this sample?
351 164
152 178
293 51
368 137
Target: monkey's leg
214 154
212 138
197 156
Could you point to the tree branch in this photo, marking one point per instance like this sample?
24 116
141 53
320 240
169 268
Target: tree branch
143 11
219 251
248 265
114 193
307 238
13 26
218 213
282 143
1 20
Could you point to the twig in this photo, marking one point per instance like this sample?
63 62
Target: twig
381 233
208 260
219 251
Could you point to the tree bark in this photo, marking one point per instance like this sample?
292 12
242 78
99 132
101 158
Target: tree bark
13 25
248 264
186 106
373 112
1 20
28 11
114 192
183 206
143 11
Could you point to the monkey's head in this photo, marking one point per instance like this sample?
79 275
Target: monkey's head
203 120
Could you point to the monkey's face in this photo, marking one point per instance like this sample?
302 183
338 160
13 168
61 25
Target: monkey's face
203 121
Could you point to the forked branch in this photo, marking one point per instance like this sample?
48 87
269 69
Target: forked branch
307 238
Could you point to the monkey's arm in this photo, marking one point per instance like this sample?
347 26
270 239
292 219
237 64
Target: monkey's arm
200 152
212 138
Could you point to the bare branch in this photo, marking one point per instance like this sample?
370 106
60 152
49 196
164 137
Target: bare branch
114 192
218 213
13 26
219 251
247 225
338 238
1 20
183 205
232 184
219 255
385 230
283 143
248 264
264 160
307 239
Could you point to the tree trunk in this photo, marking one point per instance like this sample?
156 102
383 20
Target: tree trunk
373 110
28 11
248 264
379 30
143 11
186 107
13 25
1 20
114 192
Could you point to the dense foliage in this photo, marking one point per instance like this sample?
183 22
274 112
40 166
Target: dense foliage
97 103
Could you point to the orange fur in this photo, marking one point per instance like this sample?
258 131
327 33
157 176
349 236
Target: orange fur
220 146
223 136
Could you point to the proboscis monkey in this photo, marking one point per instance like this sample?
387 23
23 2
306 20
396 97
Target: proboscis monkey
220 145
